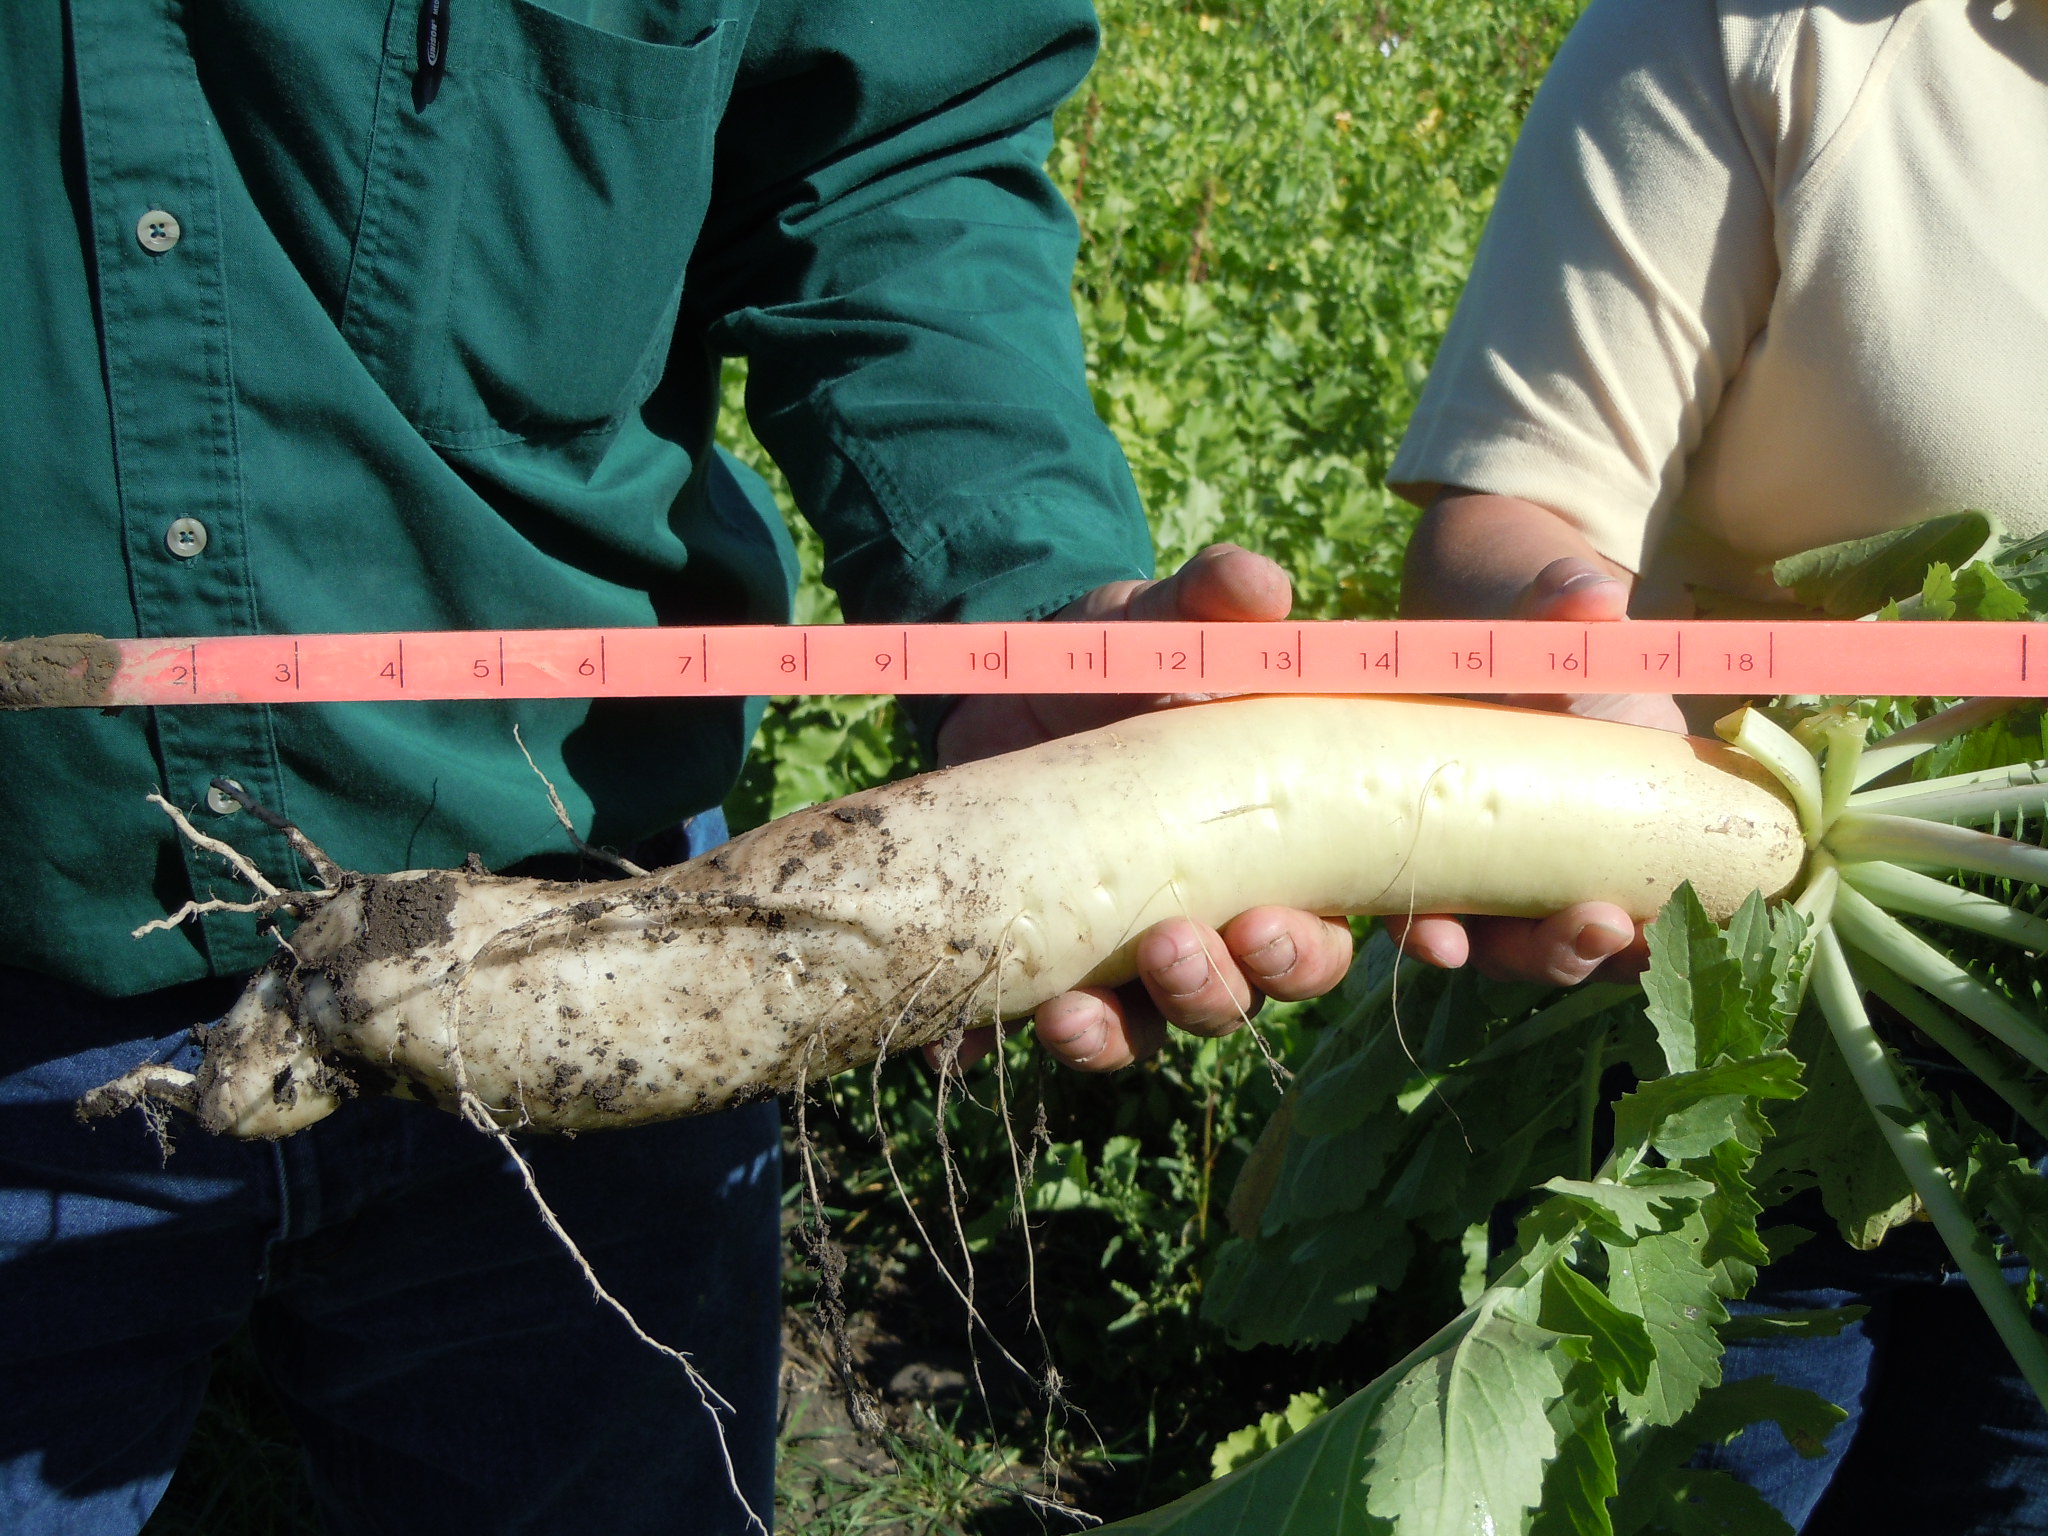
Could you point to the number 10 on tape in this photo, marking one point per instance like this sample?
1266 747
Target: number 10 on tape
1700 656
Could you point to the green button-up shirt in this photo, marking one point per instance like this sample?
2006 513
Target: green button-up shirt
400 363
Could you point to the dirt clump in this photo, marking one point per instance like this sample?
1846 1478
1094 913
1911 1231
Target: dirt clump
57 671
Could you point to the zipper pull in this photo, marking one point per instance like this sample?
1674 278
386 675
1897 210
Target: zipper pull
433 57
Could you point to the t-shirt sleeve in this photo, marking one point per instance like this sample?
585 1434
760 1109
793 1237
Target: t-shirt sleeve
1625 270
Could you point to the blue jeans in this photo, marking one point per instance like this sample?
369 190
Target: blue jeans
442 1357
1943 1438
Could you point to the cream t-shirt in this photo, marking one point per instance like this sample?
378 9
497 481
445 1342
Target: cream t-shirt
1761 276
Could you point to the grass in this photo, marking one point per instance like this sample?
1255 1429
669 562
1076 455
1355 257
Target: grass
1279 202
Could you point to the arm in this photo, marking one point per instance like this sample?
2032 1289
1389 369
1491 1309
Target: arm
885 249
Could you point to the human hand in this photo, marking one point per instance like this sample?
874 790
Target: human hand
1204 980
1594 936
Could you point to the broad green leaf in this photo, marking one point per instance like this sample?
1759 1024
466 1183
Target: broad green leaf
1656 1465
1804 1418
1242 1447
1789 951
1938 592
1454 1026
1310 1485
1460 1446
1433 1172
1652 1200
1998 1181
1662 1279
1731 1213
1822 1322
1829 1139
1308 1286
1619 1344
1323 1175
1749 939
1858 576
1358 1077
1694 988
1711 994
1697 1502
1981 595
1581 1480
1690 1113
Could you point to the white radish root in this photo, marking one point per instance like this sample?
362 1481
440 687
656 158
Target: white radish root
895 916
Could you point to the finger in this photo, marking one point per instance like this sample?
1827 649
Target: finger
1431 938
974 1044
1562 949
1222 584
1575 591
1188 971
1288 954
1094 1029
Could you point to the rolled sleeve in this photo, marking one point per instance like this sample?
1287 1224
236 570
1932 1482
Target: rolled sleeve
893 262
1625 271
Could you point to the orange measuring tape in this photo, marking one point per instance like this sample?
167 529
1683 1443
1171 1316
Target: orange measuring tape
1331 656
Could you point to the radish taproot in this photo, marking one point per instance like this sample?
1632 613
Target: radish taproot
892 917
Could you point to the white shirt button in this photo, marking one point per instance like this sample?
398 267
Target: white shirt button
185 538
220 802
158 231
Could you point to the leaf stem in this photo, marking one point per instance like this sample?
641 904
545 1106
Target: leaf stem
1839 773
1927 1016
1890 942
1963 797
1947 724
1793 766
1861 836
1904 890
1589 1100
1841 1002
1581 1003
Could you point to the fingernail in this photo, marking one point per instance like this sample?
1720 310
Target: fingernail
1079 1039
1275 958
1596 941
1583 580
1187 974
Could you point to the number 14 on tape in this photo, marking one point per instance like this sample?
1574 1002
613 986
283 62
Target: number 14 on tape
1699 656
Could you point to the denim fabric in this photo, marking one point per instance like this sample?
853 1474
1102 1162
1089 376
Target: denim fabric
1944 1437
443 1358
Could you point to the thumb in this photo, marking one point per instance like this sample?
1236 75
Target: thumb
1575 591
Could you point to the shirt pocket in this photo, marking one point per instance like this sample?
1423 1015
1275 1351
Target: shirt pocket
520 254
